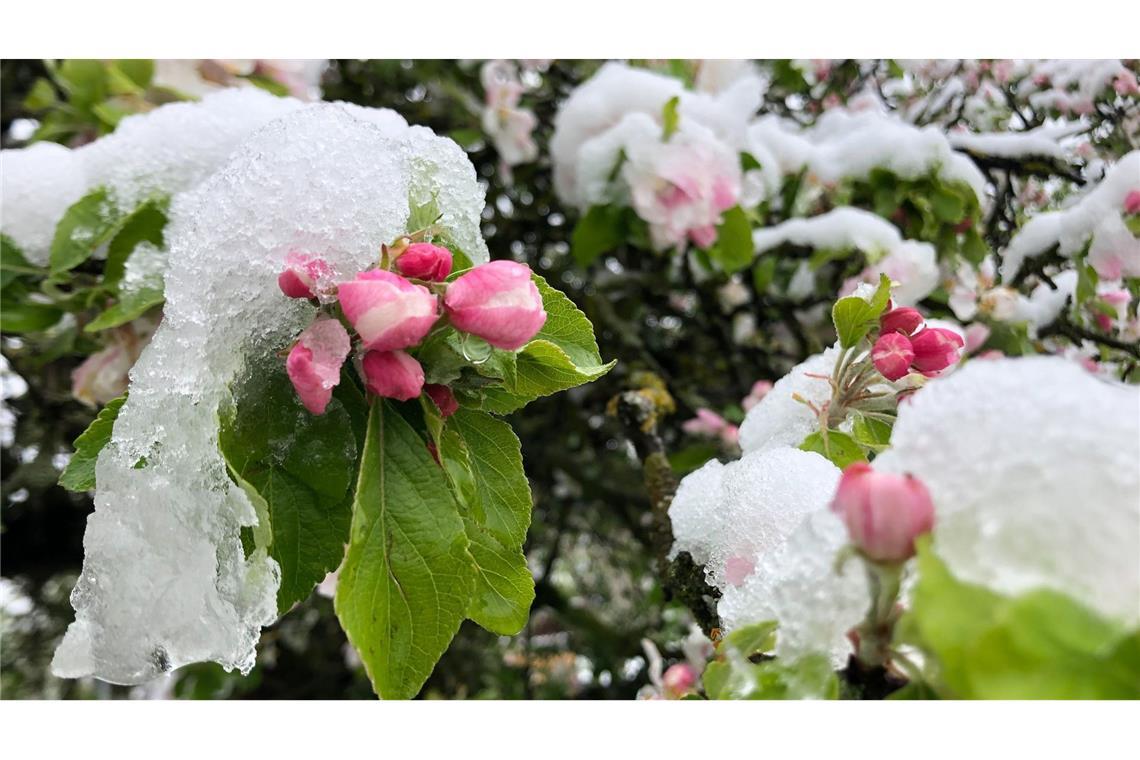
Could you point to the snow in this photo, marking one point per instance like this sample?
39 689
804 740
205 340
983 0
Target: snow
1067 85
1044 304
165 581
779 420
762 529
144 269
174 147
848 145
1033 467
911 264
747 508
164 152
37 184
797 585
1097 213
1042 141
617 91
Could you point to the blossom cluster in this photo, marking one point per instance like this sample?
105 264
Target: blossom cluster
391 312
906 343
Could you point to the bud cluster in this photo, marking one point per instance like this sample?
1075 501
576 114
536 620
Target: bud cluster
906 344
391 312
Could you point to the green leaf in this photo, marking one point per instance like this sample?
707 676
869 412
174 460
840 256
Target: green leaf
974 247
300 466
41 97
748 162
27 317
733 249
871 433
670 118
84 79
948 206
504 587
487 471
1087 280
407 580
564 354
1038 645
764 273
131 306
422 215
79 475
854 317
12 262
840 448
809 677
502 501
602 229
752 639
87 224
140 71
686 459
145 225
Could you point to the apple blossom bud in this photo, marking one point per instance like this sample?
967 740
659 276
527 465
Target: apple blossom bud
314 362
892 355
443 398
706 423
392 374
935 349
1132 202
103 376
977 333
301 274
679 679
759 390
425 261
498 302
884 512
387 311
905 320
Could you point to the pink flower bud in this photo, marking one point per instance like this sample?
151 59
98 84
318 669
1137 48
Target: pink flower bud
976 336
884 513
707 422
1132 202
935 349
497 302
387 311
759 390
301 274
103 376
679 679
443 398
392 374
905 320
892 355
314 363
425 261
